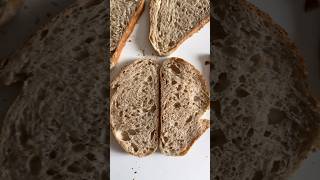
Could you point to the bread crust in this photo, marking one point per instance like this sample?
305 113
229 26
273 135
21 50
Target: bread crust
189 34
134 19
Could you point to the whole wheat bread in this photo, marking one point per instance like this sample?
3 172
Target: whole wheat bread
56 127
124 14
173 21
184 99
134 107
264 119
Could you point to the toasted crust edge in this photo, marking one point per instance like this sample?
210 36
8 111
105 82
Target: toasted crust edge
205 123
132 22
188 35
112 98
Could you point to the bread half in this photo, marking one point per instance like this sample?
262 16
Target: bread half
174 21
184 99
124 14
134 107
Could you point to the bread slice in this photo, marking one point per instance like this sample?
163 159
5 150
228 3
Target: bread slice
56 127
8 9
184 99
124 14
173 21
265 120
134 107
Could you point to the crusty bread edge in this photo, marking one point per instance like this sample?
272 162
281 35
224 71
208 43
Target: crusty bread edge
111 99
189 34
205 123
315 135
132 22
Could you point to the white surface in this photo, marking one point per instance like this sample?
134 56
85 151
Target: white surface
195 165
304 29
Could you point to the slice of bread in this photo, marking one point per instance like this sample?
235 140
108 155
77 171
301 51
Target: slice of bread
56 127
134 107
124 14
184 99
8 9
265 120
173 21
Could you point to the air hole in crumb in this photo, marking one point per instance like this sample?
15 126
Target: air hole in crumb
235 102
175 124
174 82
89 40
250 132
171 43
179 88
258 175
196 98
218 138
189 119
276 166
165 139
242 79
149 78
267 133
132 131
124 136
175 69
135 147
242 93
177 105
152 134
153 108
276 116
222 83
35 165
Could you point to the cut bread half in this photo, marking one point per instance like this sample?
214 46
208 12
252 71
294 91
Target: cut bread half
174 21
124 14
134 107
184 99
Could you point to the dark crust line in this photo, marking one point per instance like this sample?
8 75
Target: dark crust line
314 136
132 22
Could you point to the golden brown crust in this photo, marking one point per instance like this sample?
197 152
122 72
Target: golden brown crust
126 34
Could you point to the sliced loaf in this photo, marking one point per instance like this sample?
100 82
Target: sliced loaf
124 14
265 120
184 99
134 107
173 21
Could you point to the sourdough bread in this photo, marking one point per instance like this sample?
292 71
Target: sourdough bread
56 127
173 21
184 99
134 107
124 14
264 119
